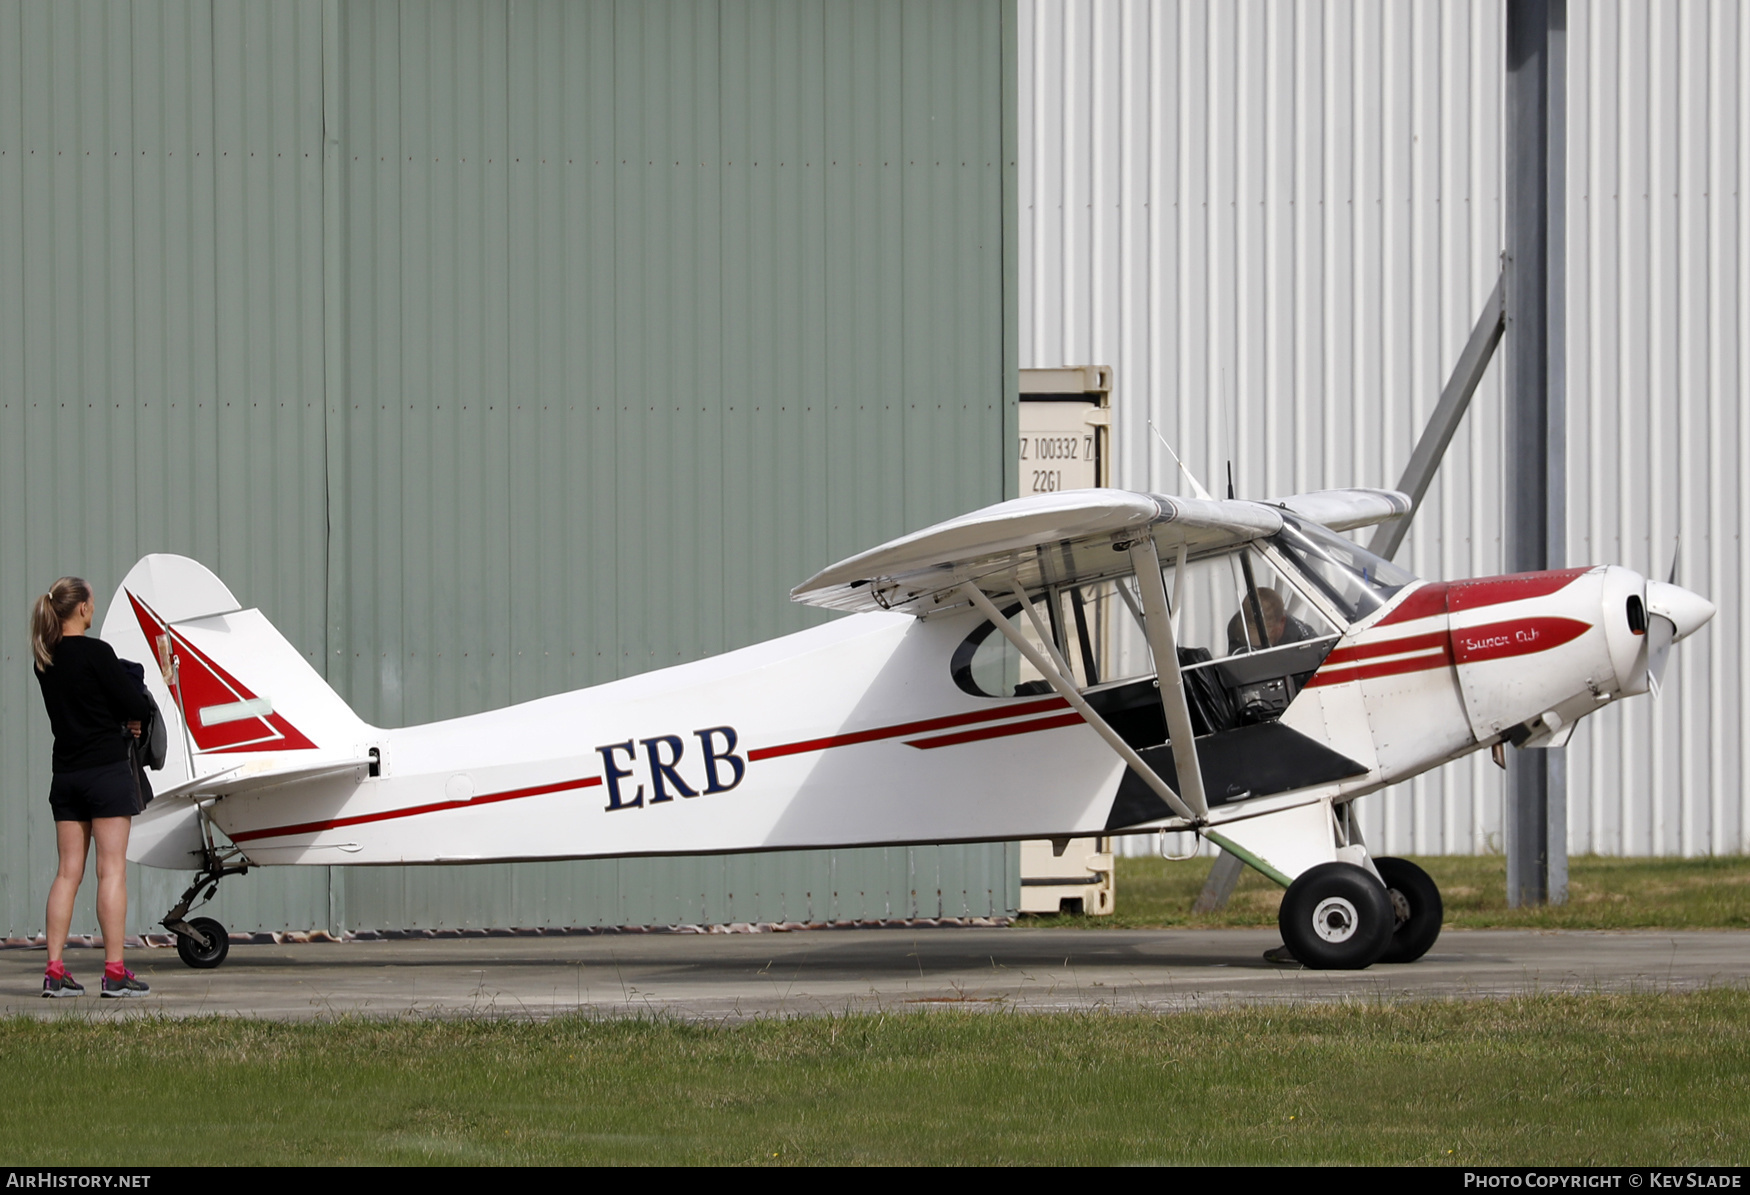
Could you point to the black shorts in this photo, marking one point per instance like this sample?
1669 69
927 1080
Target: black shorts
105 791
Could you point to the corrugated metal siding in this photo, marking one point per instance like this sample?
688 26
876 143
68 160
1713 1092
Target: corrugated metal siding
806 886
650 281
584 333
160 349
1279 222
1657 328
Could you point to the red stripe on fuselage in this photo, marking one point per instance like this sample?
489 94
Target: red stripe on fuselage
1385 647
996 732
1420 663
1424 654
434 807
1425 602
842 740
1441 596
1515 587
1468 645
905 728
1517 637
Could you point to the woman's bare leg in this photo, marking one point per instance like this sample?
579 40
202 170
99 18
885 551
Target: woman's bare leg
112 882
73 840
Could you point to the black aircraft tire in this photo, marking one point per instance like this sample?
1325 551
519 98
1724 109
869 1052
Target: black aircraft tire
1336 917
204 958
1418 916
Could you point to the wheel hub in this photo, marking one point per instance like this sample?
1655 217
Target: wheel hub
1335 919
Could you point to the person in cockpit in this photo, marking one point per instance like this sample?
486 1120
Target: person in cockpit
1282 628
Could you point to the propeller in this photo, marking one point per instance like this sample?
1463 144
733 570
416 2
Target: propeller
1660 635
1673 614
1661 632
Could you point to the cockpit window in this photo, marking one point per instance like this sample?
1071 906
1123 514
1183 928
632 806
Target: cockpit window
1249 633
1288 617
1091 627
1353 579
1223 598
988 665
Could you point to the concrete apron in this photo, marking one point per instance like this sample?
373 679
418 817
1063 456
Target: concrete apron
740 976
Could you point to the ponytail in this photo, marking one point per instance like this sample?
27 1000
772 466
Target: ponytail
49 612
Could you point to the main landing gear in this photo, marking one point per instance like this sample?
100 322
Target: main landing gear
203 942
1337 916
1415 905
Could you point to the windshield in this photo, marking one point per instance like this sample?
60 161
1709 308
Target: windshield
1354 579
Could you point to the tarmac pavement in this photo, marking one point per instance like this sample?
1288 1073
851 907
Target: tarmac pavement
728 977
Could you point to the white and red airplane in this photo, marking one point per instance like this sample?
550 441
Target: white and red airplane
1088 662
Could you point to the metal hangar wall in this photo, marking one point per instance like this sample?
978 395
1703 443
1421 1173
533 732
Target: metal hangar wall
1278 223
494 350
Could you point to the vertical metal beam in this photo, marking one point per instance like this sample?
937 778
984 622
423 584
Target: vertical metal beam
1535 421
1556 760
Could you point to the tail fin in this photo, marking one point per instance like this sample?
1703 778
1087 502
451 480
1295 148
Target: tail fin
236 687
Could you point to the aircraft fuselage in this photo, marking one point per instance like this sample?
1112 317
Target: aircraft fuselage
854 733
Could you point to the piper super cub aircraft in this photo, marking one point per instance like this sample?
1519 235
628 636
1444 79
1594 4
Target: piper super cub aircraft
1087 662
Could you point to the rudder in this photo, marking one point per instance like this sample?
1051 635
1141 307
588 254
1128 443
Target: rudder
237 687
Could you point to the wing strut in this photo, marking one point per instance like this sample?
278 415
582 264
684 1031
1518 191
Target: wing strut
1130 603
1061 664
1158 626
1066 689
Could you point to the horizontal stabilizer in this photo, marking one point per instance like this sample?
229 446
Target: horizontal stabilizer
168 835
261 774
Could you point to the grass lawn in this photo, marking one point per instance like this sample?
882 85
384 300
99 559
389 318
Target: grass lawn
1601 1080
1603 893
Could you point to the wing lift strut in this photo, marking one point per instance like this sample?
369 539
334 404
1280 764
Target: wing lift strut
1192 805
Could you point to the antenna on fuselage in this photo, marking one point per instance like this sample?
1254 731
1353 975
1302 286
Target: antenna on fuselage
1196 486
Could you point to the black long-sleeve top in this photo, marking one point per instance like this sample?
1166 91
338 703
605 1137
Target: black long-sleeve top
89 695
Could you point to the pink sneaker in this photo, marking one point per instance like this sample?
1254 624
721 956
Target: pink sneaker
127 985
60 986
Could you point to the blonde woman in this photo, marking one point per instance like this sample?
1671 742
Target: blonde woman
93 705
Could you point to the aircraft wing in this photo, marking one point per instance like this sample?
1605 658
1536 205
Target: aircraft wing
1345 510
1075 536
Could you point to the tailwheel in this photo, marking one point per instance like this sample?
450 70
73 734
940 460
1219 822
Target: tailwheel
203 956
1337 917
203 943
1416 905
